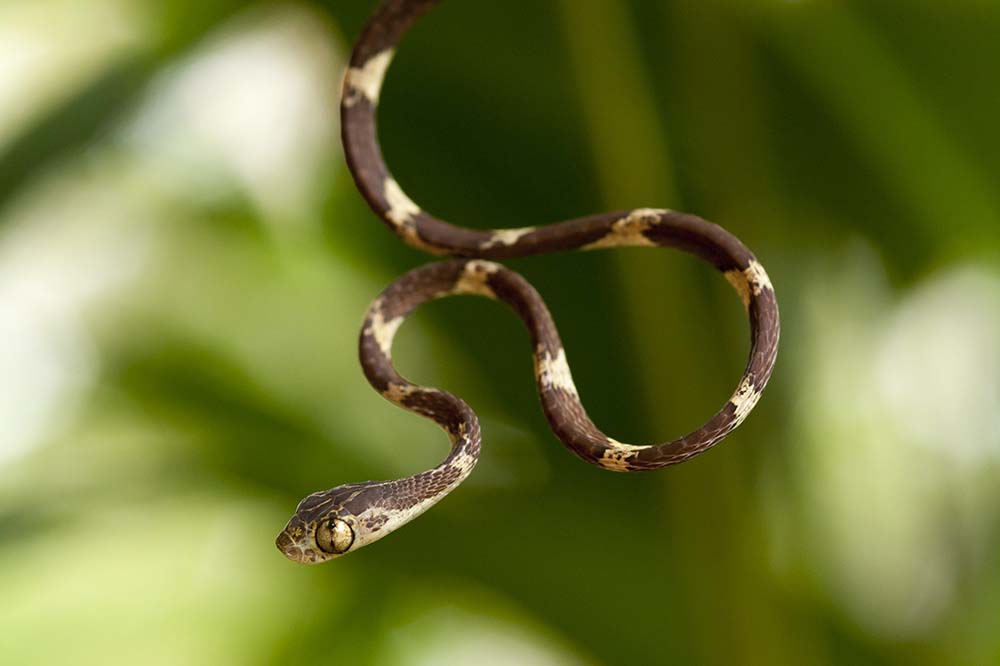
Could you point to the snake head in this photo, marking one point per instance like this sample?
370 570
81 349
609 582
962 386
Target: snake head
332 523
335 522
312 542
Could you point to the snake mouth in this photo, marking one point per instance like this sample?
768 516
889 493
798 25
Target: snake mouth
292 550
292 545
287 546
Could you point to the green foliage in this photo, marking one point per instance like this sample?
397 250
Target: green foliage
181 319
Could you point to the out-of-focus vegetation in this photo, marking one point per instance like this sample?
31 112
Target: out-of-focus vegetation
184 264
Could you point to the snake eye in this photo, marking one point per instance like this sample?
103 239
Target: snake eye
334 536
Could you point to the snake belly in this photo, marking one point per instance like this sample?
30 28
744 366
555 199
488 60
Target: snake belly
331 523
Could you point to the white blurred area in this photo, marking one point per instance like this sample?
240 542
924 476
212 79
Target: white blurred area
899 425
939 366
250 114
50 47
457 625
64 251
253 110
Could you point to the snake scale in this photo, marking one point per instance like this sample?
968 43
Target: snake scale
333 522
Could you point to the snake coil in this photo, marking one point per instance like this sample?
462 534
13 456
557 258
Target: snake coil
333 522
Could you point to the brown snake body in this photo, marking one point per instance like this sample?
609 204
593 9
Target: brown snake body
331 523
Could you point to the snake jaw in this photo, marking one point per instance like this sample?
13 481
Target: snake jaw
357 506
369 510
287 543
298 543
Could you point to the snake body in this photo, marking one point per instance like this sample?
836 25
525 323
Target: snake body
330 523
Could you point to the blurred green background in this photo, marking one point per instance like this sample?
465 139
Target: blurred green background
184 265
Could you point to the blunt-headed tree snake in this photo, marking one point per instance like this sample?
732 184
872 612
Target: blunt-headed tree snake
333 522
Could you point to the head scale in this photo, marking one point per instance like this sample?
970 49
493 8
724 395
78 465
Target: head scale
332 523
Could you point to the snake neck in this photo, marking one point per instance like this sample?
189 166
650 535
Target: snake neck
371 510
406 498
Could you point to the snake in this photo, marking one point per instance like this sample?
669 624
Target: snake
332 523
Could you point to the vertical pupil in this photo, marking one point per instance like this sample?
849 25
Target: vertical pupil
343 535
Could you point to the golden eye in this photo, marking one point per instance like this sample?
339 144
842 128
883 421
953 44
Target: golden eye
334 536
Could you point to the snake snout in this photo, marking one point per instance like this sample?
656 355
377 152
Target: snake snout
290 545
286 545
